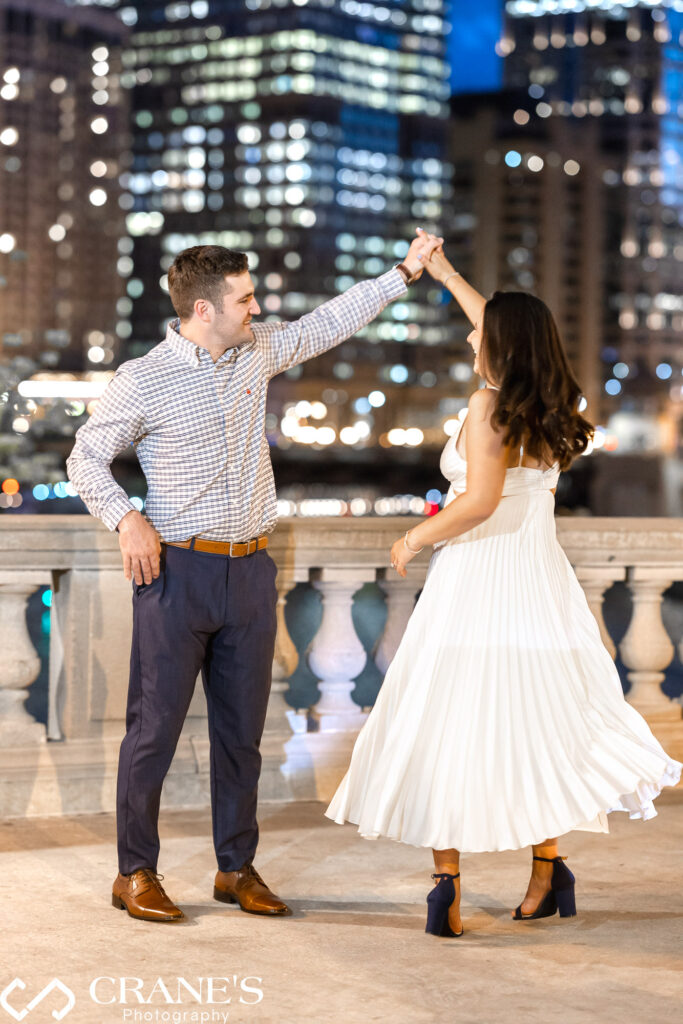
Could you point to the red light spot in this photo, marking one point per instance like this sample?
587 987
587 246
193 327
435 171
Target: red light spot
248 391
10 486
431 508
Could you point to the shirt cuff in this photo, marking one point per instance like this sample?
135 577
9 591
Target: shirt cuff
392 284
116 509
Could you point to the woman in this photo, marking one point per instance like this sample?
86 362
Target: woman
501 722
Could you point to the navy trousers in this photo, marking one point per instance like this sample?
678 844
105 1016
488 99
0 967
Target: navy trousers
218 615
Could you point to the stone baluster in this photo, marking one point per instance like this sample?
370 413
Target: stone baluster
595 580
400 599
57 673
21 663
336 655
285 661
646 648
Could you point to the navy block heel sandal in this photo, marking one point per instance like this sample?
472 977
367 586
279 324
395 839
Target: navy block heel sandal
560 897
438 902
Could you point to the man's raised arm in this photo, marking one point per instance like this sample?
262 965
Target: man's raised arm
287 344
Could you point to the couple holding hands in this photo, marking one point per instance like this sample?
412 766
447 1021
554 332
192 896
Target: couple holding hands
501 721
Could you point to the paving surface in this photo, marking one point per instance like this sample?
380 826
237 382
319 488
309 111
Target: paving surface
354 950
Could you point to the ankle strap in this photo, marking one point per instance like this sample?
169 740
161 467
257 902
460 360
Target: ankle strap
445 874
549 860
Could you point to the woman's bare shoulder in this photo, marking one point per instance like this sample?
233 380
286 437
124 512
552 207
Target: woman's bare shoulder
481 403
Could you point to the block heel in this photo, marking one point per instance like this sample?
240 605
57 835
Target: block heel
438 902
118 903
566 902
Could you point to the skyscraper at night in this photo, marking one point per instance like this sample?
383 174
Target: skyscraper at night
311 136
529 217
63 123
606 81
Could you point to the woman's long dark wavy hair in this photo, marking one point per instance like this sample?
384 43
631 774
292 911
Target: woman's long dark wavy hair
538 400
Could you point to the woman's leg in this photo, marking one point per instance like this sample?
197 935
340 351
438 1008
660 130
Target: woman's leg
541 876
449 861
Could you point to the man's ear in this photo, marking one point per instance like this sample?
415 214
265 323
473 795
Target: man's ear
204 310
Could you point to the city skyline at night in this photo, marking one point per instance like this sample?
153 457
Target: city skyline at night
613 74
542 139
319 164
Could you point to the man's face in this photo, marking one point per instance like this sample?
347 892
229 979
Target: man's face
232 322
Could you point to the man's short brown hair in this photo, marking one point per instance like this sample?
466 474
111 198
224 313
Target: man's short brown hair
199 273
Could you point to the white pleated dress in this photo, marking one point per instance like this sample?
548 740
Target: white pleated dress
501 721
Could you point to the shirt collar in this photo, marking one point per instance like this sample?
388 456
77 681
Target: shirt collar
183 348
191 353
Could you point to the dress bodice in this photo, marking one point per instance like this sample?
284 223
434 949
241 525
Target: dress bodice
518 479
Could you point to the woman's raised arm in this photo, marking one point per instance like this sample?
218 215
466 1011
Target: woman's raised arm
442 270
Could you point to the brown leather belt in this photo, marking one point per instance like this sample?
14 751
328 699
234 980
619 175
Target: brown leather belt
216 547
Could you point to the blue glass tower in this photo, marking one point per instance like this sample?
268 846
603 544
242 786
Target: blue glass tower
613 73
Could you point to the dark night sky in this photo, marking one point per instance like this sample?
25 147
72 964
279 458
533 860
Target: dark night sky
476 30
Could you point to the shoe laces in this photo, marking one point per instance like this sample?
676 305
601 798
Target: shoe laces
154 878
254 872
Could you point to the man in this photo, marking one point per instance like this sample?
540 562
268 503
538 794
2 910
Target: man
204 592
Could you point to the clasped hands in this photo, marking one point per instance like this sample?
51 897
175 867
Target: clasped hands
420 252
426 253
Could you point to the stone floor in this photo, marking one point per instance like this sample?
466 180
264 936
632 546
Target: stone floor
355 950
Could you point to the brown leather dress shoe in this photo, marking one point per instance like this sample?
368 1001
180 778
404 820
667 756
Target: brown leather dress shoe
142 895
247 888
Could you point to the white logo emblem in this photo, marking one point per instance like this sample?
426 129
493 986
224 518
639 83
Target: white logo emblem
54 984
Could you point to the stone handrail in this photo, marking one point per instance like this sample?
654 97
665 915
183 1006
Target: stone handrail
304 753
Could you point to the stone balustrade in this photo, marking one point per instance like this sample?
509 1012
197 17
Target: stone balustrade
70 765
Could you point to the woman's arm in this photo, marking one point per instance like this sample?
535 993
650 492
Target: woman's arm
442 270
486 465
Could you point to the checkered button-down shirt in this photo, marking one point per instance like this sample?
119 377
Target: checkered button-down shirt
198 427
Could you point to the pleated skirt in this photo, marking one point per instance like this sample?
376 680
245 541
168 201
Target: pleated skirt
501 721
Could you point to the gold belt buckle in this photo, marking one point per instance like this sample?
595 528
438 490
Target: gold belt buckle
251 546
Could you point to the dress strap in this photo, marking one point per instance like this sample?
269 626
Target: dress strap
521 455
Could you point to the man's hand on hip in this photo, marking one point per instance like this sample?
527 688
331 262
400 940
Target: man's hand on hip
140 548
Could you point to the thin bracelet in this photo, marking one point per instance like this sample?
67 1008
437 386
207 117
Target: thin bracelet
412 550
456 273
